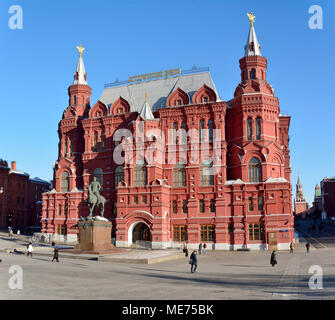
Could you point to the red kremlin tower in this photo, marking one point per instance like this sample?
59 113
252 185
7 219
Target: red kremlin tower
235 194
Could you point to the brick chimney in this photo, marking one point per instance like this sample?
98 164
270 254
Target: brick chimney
13 165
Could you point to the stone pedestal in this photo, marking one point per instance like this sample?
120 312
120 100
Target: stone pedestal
94 237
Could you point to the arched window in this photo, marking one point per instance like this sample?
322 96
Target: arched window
179 175
140 174
64 187
119 175
210 130
201 130
102 141
206 173
258 129
255 170
98 173
253 74
249 129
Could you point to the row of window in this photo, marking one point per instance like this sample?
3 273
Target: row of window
207 232
185 206
179 175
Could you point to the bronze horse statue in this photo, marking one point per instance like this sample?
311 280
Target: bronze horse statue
95 199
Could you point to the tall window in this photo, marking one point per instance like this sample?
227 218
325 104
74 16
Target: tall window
65 147
102 141
260 203
98 173
207 232
174 206
249 129
95 142
65 209
255 173
59 209
136 199
64 182
185 208
179 175
183 133
119 175
202 206
253 74
71 148
258 128
179 233
201 130
175 128
206 173
212 205
140 177
75 100
251 205
210 130
256 231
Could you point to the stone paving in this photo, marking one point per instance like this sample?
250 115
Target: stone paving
220 275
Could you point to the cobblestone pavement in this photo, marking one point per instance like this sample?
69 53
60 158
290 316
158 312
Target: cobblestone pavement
220 275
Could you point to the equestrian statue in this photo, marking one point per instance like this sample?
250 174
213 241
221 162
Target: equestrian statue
94 198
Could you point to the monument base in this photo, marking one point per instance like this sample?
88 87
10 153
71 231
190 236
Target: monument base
94 237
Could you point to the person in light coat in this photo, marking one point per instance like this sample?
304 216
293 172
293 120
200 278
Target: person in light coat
30 250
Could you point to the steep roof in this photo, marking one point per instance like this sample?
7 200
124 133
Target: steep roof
158 90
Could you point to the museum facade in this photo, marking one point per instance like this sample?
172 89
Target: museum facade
177 164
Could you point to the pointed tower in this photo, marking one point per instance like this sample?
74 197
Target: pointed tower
79 91
300 204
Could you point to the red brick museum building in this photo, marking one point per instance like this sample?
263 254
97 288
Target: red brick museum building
196 168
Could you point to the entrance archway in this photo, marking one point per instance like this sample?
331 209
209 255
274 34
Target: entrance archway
141 232
138 231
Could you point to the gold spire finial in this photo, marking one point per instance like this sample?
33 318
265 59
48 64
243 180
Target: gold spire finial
80 50
146 97
251 18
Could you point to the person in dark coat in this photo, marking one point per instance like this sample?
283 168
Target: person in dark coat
273 260
193 261
291 247
56 256
308 246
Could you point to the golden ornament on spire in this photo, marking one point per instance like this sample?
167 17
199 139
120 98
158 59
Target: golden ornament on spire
80 50
251 18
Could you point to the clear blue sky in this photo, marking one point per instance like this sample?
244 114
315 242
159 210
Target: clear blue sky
124 38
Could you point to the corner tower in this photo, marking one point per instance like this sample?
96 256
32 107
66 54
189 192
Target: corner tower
71 135
253 126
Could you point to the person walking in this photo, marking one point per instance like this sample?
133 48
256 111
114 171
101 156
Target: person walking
30 250
205 247
308 246
56 255
291 247
273 260
193 261
200 247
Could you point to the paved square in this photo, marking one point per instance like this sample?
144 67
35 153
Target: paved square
221 275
